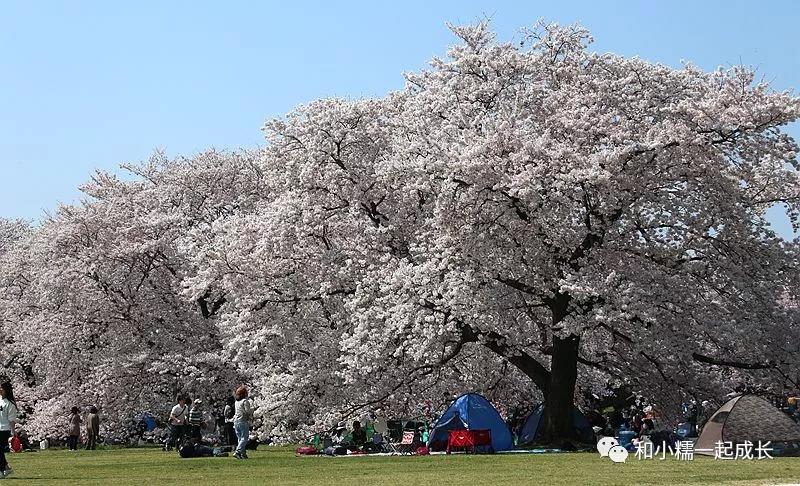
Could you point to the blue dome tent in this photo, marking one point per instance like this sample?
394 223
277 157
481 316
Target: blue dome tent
472 412
531 428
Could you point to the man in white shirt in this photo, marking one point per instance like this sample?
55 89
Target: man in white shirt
177 424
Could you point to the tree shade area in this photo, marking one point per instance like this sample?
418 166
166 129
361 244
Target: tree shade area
531 221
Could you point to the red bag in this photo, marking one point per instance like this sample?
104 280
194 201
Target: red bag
306 451
16 444
422 451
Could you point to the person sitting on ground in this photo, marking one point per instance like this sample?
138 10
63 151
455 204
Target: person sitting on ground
337 441
648 427
25 441
636 423
663 440
366 442
340 440
194 447
359 435
340 437
252 443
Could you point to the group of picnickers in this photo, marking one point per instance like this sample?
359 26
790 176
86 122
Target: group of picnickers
186 427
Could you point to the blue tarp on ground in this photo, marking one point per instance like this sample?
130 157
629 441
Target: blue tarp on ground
473 412
531 428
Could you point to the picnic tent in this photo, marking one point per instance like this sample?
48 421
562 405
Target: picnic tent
746 418
472 412
531 429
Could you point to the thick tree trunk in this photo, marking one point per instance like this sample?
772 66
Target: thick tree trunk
557 421
557 385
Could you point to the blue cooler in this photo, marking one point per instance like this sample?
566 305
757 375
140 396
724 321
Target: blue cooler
685 429
626 438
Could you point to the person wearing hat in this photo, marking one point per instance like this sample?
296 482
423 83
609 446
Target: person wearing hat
340 440
340 437
196 419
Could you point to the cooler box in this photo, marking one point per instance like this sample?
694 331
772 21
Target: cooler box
626 437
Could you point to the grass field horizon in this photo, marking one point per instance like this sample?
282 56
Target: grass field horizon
279 465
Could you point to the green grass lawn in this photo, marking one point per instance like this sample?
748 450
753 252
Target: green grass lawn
280 466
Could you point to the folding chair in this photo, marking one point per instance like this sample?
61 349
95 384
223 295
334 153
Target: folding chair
405 446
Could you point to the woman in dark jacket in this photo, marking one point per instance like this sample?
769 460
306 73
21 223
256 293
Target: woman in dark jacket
228 413
74 429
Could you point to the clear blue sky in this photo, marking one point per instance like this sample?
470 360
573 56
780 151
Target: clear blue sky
87 85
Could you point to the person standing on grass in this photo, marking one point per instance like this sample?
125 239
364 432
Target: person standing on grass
74 429
92 428
177 423
228 414
196 419
243 415
8 425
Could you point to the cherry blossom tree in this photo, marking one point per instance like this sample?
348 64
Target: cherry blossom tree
14 280
529 220
571 213
102 319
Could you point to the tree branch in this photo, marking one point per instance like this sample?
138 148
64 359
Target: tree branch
733 364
